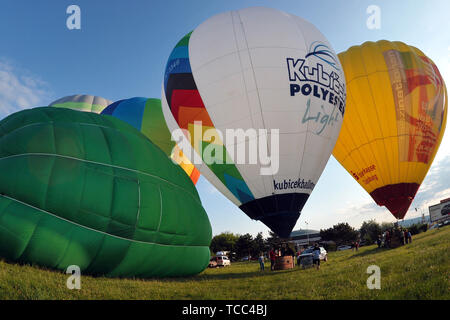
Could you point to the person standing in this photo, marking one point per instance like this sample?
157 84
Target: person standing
284 250
402 236
261 261
272 257
409 237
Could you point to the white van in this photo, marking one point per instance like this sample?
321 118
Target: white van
223 261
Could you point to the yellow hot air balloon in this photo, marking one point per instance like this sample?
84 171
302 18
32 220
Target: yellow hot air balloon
394 122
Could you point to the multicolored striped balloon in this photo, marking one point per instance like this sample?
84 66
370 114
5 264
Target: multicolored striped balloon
146 115
246 70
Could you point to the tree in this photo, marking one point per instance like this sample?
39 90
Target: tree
340 233
259 245
274 240
370 230
417 228
386 226
224 241
244 245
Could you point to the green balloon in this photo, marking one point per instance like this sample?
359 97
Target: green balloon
89 190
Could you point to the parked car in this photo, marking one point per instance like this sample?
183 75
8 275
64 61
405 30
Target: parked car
219 261
344 247
309 252
445 210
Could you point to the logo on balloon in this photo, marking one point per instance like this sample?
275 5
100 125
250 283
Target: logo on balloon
293 184
321 117
316 75
324 53
364 172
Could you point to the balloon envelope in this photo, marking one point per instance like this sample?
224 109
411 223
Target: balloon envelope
82 102
78 188
395 120
146 115
237 71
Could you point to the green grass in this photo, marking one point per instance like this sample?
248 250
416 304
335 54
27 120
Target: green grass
416 271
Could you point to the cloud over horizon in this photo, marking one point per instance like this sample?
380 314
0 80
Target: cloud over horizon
435 187
19 89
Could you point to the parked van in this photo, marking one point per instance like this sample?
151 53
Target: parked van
219 261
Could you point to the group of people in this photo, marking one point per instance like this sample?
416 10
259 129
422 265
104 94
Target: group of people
272 256
402 235
285 250
275 252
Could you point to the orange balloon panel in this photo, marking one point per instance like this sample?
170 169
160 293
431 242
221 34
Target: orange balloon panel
394 122
180 158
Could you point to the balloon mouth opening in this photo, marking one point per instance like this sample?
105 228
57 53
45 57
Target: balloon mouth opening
279 212
282 223
396 197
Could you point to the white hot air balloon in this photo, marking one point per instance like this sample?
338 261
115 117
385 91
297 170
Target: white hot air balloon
258 69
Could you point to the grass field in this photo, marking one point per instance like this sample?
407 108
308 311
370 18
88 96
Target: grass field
419 270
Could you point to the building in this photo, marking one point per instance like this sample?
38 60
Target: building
304 237
441 211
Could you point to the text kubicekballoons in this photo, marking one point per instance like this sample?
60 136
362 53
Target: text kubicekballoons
395 120
146 115
261 69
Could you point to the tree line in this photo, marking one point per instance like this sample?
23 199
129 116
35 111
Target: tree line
344 234
244 245
340 234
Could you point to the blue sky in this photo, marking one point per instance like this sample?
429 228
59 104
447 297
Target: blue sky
122 48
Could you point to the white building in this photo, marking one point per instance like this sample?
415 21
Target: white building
304 237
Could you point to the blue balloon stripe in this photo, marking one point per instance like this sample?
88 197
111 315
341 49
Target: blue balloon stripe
131 111
179 53
238 188
109 110
180 65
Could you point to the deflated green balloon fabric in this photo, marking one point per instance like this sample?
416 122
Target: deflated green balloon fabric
84 189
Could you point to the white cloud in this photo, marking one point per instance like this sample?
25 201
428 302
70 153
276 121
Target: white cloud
434 188
19 89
